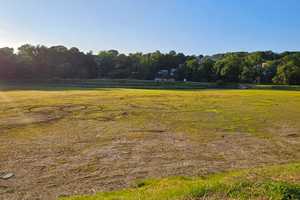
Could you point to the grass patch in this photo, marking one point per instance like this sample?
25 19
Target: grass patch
276 182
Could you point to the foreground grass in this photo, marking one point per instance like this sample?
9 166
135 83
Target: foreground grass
276 182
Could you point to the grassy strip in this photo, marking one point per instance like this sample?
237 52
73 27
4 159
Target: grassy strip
131 83
276 182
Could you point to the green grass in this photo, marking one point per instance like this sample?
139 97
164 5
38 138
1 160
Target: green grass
194 112
277 182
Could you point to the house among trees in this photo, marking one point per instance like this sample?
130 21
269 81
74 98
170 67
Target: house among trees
165 75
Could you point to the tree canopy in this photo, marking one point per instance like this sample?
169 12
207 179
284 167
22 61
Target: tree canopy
40 62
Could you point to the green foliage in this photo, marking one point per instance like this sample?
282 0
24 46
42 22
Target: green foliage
197 71
288 71
7 63
40 62
229 68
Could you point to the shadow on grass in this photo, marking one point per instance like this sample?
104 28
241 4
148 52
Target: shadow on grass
103 84
98 85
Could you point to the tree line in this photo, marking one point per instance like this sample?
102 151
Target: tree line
41 62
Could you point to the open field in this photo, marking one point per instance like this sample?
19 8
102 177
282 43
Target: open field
82 140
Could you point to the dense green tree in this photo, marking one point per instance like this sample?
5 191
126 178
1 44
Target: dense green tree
269 70
206 70
288 72
57 61
229 68
8 69
106 62
191 69
197 69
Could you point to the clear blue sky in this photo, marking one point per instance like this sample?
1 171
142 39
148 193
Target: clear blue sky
188 26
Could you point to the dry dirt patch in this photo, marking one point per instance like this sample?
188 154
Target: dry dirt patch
38 114
27 118
61 166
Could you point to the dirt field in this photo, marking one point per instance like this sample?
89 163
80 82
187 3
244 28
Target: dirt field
61 143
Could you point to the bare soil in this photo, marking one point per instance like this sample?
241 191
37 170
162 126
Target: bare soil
54 166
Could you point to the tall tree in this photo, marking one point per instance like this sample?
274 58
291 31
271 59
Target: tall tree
8 68
229 68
